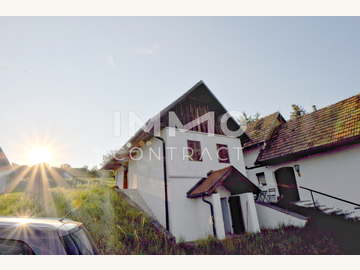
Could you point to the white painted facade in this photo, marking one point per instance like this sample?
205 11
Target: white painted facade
250 157
119 177
334 172
249 213
190 219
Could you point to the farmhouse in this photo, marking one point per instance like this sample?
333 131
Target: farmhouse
186 168
313 159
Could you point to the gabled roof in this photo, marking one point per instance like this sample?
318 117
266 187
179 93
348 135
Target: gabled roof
261 130
229 177
322 130
199 93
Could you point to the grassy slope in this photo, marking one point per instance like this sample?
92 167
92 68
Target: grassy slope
118 228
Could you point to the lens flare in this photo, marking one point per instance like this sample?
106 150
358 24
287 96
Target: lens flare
39 154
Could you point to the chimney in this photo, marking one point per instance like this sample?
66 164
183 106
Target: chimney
314 108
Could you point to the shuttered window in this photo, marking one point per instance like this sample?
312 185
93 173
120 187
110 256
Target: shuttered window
223 153
194 150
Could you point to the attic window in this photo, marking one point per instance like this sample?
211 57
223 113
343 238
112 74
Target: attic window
261 179
223 153
194 150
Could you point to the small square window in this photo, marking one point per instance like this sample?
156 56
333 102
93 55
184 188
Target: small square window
194 150
223 153
261 179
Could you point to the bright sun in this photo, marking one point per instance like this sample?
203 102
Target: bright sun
39 154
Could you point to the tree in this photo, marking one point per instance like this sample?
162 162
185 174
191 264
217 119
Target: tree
297 111
94 172
107 157
65 166
246 119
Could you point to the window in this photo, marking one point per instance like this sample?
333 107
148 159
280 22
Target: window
78 243
223 153
194 150
261 179
14 247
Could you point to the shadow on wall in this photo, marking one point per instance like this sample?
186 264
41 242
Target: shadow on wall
273 217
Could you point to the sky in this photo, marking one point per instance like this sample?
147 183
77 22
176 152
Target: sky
66 81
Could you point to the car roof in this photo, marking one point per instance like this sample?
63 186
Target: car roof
51 224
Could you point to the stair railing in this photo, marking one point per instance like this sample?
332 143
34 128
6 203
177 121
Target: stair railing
330 196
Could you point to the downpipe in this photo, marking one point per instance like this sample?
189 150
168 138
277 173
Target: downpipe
165 184
212 215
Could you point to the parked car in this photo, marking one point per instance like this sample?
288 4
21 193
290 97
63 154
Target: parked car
44 236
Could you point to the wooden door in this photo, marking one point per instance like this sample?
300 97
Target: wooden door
286 182
236 215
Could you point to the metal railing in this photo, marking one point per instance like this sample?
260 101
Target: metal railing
327 195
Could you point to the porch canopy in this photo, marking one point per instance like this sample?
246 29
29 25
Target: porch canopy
229 177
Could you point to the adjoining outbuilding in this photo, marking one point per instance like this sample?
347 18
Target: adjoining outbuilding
311 160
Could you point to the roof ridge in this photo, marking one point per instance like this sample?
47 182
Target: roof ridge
334 125
320 110
266 116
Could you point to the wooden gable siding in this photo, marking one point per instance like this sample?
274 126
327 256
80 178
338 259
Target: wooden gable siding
189 110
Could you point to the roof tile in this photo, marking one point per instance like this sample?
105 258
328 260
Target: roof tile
260 130
331 125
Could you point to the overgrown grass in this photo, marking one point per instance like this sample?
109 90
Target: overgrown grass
287 240
119 228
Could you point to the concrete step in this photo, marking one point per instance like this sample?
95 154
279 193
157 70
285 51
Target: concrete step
305 203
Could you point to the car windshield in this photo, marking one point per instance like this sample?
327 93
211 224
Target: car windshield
78 243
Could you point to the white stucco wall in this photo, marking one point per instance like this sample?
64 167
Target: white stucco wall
250 157
146 175
181 167
248 209
190 219
119 177
335 173
218 216
270 218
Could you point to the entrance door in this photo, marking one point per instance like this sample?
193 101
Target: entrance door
286 181
226 215
236 215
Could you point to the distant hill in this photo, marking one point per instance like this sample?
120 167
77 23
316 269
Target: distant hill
38 178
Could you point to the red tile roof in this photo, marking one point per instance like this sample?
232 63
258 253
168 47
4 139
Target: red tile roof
335 125
207 186
261 130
